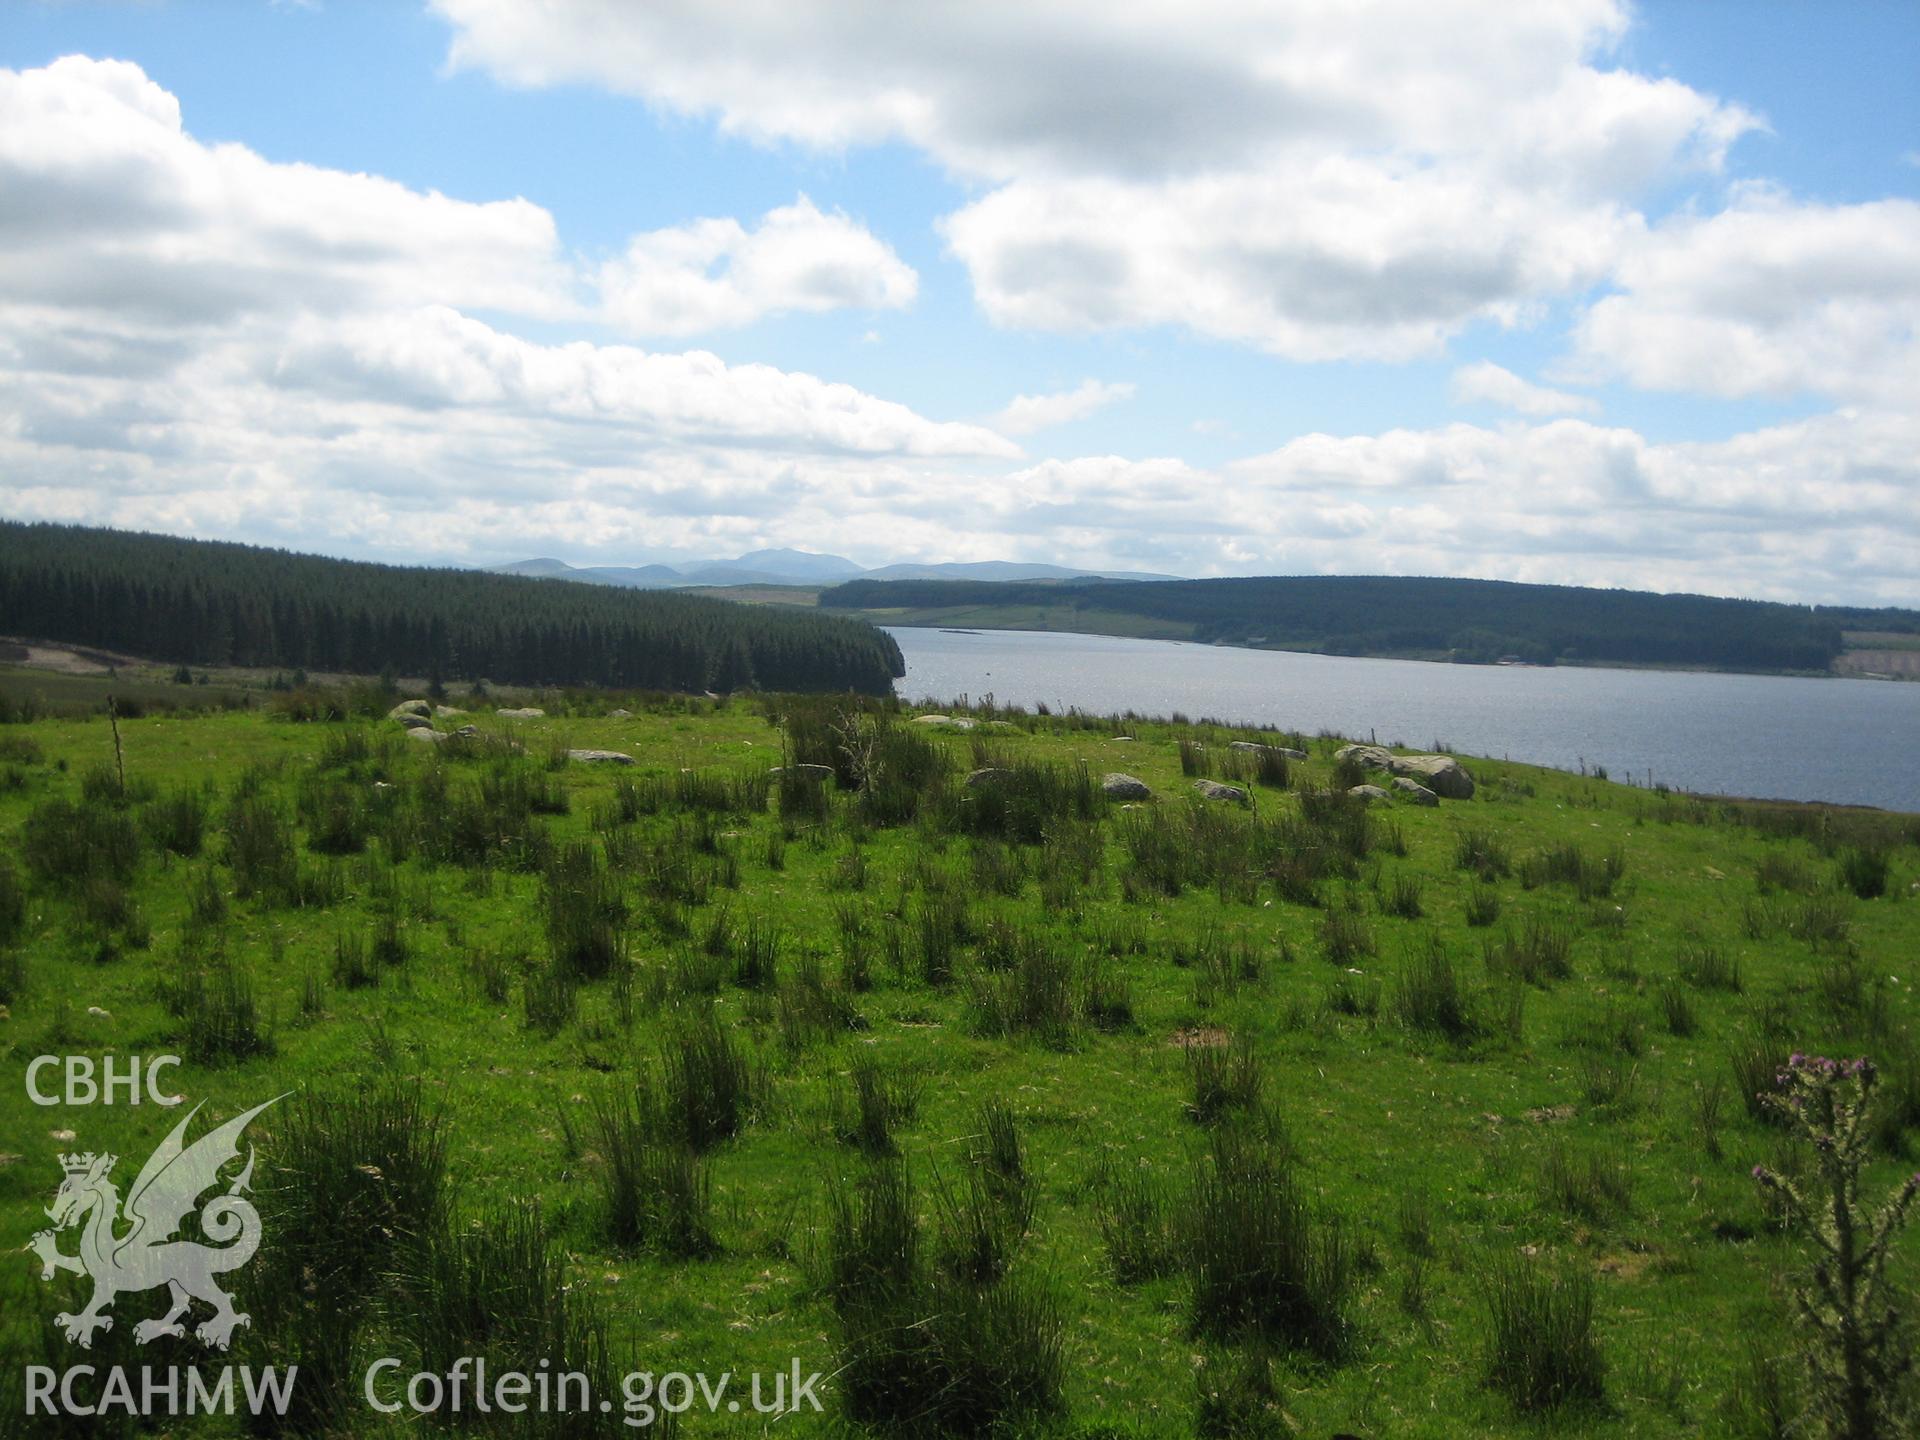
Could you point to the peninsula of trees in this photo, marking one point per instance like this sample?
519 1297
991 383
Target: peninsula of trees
197 602
1474 621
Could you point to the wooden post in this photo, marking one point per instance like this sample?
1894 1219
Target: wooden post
119 755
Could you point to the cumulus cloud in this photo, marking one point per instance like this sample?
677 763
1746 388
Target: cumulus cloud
1345 259
1497 385
716 274
114 210
1350 180
1770 296
194 338
198 340
1028 413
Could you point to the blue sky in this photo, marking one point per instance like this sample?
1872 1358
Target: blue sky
1571 292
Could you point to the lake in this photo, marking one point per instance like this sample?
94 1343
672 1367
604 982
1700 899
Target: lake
1787 737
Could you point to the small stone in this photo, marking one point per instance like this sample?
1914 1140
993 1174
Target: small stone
1214 790
820 773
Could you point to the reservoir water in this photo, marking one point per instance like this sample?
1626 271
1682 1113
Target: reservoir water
1856 742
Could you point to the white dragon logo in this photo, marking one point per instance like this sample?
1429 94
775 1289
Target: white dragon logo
148 1255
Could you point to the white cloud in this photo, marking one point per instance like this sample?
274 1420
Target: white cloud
1320 180
1345 259
1028 413
197 339
716 274
114 210
1498 385
1769 297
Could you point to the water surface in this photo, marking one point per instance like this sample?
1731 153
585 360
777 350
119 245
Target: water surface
1790 737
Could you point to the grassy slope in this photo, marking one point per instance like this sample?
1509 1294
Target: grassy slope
1688 1274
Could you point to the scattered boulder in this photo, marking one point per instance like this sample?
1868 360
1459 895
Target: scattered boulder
821 773
988 775
944 722
433 736
1122 739
414 722
1125 787
1413 790
410 707
527 714
599 757
1369 792
1214 790
1441 774
1372 757
442 711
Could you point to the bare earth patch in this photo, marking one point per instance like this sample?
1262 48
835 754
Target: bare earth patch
1199 1037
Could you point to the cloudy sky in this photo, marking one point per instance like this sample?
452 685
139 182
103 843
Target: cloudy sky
1569 290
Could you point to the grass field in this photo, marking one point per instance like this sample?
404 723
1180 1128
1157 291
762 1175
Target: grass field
996 1101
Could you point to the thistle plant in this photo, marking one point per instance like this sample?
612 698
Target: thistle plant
1855 1353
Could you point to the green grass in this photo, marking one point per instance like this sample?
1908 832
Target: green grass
692 1073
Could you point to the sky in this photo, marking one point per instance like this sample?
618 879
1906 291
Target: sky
1574 291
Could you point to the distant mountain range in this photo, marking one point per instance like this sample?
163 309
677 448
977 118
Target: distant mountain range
799 567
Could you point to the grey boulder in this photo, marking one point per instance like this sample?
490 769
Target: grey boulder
1413 790
1125 787
1214 790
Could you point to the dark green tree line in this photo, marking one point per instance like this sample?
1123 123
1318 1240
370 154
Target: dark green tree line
1473 620
197 602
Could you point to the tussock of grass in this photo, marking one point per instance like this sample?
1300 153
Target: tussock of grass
1541 1348
1259 1263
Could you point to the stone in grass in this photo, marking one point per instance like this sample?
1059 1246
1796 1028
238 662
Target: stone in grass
1214 790
431 736
418 708
1413 790
1441 774
1125 787
820 773
1369 792
414 722
599 757
528 713
986 776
